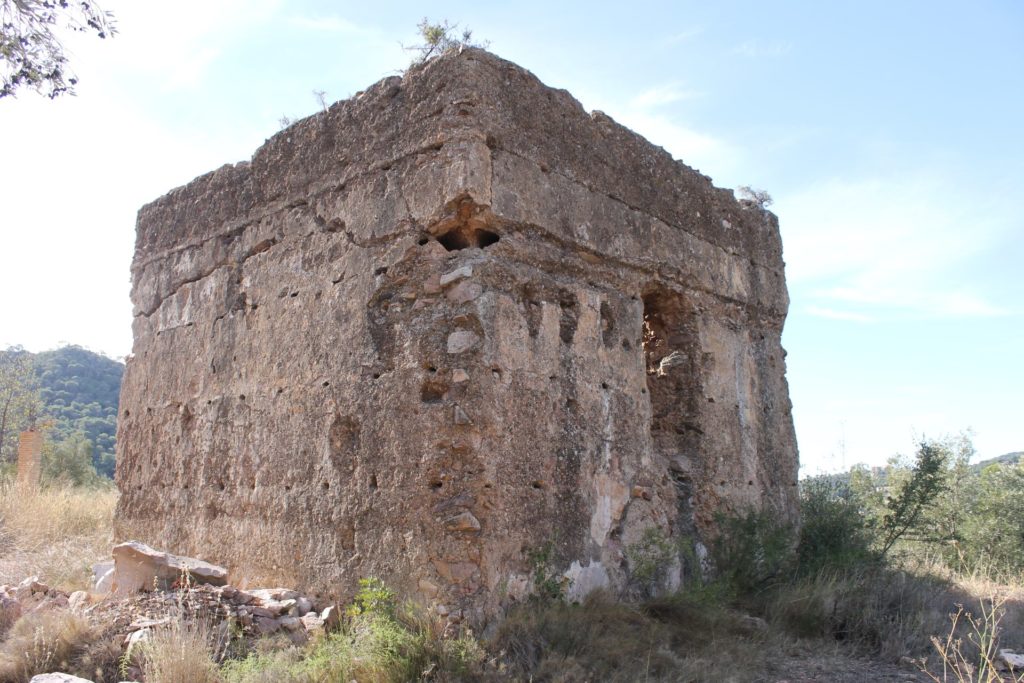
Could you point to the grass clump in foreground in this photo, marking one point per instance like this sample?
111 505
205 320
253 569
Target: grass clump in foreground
671 638
54 641
181 651
867 569
56 532
677 637
380 641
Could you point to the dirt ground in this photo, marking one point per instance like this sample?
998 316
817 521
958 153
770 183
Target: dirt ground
805 666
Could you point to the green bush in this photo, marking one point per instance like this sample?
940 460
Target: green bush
69 462
548 585
373 598
379 641
993 527
439 38
650 559
753 551
834 533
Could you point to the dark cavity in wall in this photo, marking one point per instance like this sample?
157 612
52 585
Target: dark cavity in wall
465 236
670 347
607 325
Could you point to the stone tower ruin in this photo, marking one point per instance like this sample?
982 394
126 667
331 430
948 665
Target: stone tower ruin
442 329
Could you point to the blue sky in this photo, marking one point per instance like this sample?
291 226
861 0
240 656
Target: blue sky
891 135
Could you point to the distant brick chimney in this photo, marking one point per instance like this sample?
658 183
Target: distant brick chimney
30 452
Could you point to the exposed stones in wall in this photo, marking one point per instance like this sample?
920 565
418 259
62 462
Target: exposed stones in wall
439 327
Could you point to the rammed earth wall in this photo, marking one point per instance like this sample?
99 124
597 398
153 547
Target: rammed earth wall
444 325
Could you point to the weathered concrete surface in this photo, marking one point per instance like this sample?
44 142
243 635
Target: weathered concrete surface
442 326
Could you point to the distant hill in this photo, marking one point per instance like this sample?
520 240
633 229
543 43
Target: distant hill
881 474
80 391
1004 459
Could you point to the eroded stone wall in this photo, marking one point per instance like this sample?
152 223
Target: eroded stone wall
443 326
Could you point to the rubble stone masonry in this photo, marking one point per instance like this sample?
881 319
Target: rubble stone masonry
444 327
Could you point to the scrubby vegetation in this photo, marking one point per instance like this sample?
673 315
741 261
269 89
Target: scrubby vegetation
380 640
918 562
44 642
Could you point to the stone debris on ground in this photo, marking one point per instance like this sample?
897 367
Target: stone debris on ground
256 612
146 598
31 595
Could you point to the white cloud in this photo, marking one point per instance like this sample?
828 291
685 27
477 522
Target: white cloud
169 44
897 245
968 304
834 314
191 69
652 114
694 148
79 168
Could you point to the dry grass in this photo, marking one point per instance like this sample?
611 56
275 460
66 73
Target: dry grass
182 651
890 613
668 639
974 659
56 532
44 642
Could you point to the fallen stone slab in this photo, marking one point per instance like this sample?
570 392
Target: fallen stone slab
304 605
138 567
331 616
104 583
266 625
102 577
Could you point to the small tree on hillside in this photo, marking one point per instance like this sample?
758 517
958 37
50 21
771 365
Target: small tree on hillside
20 402
993 531
926 481
944 522
69 461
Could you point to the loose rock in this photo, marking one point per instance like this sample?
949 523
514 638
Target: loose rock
140 567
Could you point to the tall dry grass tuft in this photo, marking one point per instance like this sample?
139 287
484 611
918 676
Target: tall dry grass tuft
57 532
44 642
182 651
969 652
